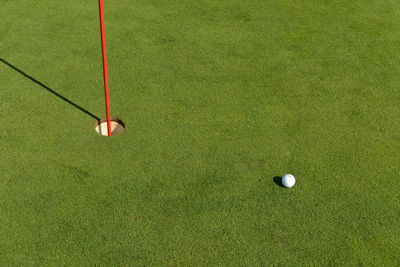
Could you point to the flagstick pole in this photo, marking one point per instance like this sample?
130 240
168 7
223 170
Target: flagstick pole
103 45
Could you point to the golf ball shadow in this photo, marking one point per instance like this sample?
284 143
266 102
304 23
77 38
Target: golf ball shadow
278 181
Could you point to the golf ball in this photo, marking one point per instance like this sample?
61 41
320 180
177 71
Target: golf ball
288 180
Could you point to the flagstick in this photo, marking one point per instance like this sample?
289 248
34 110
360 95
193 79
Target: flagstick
103 45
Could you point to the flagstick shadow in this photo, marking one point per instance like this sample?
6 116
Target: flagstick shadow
50 90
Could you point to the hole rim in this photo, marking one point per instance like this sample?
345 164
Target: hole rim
112 119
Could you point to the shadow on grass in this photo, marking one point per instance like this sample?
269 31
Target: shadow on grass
50 90
278 181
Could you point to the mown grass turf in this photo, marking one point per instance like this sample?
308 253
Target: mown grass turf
218 97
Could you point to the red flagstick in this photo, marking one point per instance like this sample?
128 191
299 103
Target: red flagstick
103 45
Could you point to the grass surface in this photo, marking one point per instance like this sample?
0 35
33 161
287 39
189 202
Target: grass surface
218 97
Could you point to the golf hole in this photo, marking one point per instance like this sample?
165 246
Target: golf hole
117 127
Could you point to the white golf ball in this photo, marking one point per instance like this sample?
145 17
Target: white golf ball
288 180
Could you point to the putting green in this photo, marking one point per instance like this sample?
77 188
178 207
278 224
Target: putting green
220 99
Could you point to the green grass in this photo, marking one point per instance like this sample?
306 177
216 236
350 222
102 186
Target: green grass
218 97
